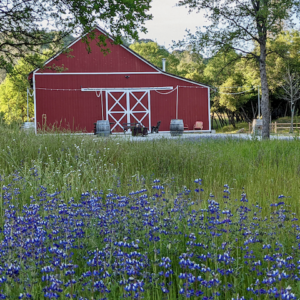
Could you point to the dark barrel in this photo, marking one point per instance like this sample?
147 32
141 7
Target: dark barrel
103 128
176 127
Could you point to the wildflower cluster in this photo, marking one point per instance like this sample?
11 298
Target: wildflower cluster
143 245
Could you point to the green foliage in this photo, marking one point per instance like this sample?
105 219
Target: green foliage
154 53
233 98
13 90
183 63
227 69
236 25
24 24
220 67
191 65
231 129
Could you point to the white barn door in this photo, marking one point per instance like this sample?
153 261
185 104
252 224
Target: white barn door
130 106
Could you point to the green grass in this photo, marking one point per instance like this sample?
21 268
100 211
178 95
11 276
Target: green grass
287 120
231 129
265 169
74 164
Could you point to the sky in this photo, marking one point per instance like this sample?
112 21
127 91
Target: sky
170 22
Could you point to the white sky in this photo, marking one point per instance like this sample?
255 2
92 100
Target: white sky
170 22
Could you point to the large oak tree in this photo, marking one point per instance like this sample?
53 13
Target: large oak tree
25 24
238 25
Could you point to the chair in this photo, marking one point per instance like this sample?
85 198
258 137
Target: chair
186 127
198 125
155 128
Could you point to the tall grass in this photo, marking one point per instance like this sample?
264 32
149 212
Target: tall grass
265 169
83 217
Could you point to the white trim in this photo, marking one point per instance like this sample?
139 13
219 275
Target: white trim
109 112
126 48
128 111
209 119
177 103
60 52
117 101
127 106
34 99
149 111
138 101
141 89
129 50
101 73
106 34
106 101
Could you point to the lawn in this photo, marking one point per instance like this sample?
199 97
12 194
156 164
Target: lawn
83 217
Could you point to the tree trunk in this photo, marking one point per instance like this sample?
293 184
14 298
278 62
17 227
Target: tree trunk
292 117
222 122
264 90
286 109
232 120
246 118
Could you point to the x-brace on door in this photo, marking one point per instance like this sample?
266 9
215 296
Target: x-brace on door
130 106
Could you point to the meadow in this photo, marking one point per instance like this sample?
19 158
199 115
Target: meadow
83 217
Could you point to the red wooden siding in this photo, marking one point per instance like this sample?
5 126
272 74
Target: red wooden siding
118 60
78 110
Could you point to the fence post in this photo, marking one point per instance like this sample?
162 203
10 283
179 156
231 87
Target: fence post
275 127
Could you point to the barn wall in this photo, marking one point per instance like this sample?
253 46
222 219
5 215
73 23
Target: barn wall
79 60
78 110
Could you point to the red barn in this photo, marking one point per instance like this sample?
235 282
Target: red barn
121 87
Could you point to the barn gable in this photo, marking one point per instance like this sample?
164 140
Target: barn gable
119 59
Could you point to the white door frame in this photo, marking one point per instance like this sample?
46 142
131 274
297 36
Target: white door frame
128 110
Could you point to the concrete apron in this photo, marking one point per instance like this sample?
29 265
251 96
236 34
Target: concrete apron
194 136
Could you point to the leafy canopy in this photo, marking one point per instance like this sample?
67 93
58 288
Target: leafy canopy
238 24
154 53
182 63
24 24
13 90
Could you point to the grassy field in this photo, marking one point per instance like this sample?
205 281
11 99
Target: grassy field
83 217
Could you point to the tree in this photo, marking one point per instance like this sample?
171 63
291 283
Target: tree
13 90
154 53
291 88
220 67
191 65
237 24
23 23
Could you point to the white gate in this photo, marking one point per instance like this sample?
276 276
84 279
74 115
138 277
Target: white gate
129 106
